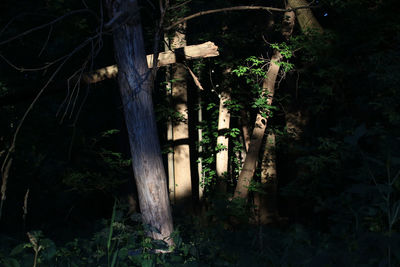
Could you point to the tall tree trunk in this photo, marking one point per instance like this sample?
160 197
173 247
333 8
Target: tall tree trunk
249 166
250 163
266 204
170 133
245 129
136 93
200 149
222 157
180 129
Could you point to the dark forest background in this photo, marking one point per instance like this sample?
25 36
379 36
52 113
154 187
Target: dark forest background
338 187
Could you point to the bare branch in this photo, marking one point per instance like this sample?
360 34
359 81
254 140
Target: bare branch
235 8
179 5
23 69
6 164
47 24
195 79
47 41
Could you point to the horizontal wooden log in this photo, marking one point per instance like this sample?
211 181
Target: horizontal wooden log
208 49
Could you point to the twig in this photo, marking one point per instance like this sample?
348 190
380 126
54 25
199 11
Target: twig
19 16
179 5
195 79
47 41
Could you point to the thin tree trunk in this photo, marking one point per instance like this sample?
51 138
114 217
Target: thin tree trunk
200 151
249 166
266 204
245 129
136 93
170 133
182 173
222 157
250 163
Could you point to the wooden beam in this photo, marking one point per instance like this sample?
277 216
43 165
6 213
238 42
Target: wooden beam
208 49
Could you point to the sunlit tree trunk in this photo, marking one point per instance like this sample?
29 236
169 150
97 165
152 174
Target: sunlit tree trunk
245 129
136 93
200 149
170 133
266 204
249 166
222 157
250 163
182 172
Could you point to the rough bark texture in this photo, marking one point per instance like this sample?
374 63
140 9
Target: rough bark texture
305 17
135 88
222 158
207 49
249 166
182 174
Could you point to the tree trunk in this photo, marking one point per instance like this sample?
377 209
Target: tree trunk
305 17
180 129
222 158
136 93
249 166
170 133
250 163
266 203
200 148
245 129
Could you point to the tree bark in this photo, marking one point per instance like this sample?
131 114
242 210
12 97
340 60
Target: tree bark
136 93
182 172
